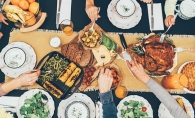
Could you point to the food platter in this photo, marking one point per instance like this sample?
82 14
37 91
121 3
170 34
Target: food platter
187 69
124 22
79 98
158 59
140 101
30 94
163 112
13 73
65 76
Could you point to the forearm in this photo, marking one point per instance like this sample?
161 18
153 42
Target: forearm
11 85
108 106
89 3
170 7
170 103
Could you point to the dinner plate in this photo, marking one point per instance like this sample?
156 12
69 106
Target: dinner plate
137 98
82 99
163 112
29 94
179 71
28 65
124 22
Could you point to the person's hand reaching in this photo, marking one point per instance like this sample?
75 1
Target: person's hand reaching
28 78
169 20
147 1
138 71
105 80
92 12
3 19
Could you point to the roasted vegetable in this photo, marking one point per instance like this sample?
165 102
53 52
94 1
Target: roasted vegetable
52 89
90 39
73 77
108 43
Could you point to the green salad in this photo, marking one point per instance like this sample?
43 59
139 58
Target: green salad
134 109
34 107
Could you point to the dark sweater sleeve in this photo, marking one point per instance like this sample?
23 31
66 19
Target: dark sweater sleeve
170 103
108 106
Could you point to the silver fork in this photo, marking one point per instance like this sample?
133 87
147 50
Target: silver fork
180 49
48 71
163 35
91 29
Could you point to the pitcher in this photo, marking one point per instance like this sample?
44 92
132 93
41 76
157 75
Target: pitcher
186 10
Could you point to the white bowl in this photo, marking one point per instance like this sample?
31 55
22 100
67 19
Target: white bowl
125 8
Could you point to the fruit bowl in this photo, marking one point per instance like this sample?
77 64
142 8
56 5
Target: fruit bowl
26 14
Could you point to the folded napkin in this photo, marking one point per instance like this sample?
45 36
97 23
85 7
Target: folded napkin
65 10
157 14
9 100
99 110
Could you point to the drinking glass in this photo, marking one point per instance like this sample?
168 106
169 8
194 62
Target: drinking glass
176 81
121 92
67 27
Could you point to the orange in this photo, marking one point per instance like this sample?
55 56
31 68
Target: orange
30 19
23 4
30 1
34 7
15 2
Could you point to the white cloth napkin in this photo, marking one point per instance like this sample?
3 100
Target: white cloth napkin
65 10
9 100
99 110
157 14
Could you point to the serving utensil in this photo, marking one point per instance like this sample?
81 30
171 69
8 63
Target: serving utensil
48 71
44 99
164 34
180 49
119 57
91 29
7 106
152 17
126 55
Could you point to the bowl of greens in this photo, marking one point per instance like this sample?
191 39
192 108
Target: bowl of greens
31 105
134 106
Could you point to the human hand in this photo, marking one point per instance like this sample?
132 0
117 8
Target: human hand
169 20
3 19
146 1
105 80
138 71
92 12
1 35
28 78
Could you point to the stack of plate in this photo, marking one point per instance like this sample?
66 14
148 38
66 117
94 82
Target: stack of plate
124 14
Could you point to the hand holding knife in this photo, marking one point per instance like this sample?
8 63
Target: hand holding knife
58 14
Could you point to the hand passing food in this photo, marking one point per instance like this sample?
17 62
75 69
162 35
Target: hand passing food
92 12
3 19
170 20
138 71
28 78
105 80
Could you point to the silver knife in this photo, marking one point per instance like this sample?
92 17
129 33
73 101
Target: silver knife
125 54
152 17
58 14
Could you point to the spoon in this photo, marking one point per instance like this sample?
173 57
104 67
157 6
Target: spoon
91 29
44 99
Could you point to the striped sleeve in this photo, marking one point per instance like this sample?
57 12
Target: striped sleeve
1 91
170 7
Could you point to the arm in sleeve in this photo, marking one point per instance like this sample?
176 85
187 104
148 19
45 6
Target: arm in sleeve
170 7
170 103
108 106
1 91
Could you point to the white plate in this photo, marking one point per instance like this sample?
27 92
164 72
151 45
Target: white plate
179 71
13 73
29 94
123 22
137 98
163 112
125 7
76 97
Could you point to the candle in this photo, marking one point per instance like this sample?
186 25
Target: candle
55 42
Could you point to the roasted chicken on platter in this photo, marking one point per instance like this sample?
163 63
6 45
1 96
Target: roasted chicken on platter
156 58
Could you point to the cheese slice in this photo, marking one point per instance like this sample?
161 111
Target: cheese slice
99 52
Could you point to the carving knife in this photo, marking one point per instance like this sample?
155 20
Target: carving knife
152 17
58 14
125 54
